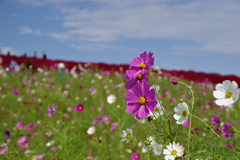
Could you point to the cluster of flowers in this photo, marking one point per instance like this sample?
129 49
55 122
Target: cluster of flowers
141 102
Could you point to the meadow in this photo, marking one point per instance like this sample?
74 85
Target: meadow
50 113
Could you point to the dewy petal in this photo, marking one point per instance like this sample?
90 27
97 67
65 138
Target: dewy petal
143 112
219 94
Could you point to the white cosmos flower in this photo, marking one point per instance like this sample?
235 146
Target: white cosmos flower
91 130
182 113
226 93
155 86
173 150
126 135
157 111
157 149
111 98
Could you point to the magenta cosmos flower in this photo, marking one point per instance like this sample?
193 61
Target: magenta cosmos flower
4 151
228 131
23 141
106 119
216 120
140 64
79 108
140 79
135 156
140 100
20 124
51 110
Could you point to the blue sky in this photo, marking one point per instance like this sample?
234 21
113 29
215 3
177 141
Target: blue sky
183 34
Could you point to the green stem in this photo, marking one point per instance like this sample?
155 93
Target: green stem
214 148
139 149
206 125
190 118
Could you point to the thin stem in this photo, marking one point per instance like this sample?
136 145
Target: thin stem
190 118
206 125
138 147
148 153
214 148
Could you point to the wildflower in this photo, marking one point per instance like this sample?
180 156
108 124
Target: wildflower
114 126
126 135
186 124
228 131
135 156
173 150
111 98
226 93
157 149
158 110
28 127
79 108
231 145
41 156
139 79
91 130
140 65
182 113
7 133
216 120
54 148
4 151
51 110
174 81
23 141
140 100
106 119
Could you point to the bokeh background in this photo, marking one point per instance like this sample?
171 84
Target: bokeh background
183 34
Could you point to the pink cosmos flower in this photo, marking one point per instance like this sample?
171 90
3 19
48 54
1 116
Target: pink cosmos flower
135 156
20 124
41 156
218 131
186 124
54 148
140 65
228 131
79 108
140 79
114 126
140 100
216 120
4 151
231 145
106 119
7 133
23 141
51 110
28 127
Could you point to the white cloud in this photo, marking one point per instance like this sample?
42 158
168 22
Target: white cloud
28 30
4 50
211 24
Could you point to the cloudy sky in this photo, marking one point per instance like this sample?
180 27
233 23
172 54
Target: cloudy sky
194 35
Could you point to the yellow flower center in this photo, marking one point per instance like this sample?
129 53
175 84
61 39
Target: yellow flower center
142 100
184 113
112 99
174 152
229 94
106 119
128 136
142 65
80 108
230 130
92 130
136 156
156 109
139 77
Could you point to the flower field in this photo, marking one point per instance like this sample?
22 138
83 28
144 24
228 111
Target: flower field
119 112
